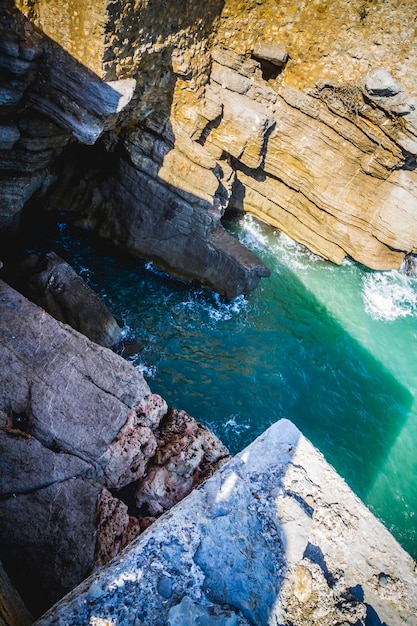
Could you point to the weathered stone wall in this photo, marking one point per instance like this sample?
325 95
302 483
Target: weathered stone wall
279 110
337 41
333 141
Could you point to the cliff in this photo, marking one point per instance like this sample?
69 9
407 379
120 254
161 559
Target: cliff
147 125
164 120
274 537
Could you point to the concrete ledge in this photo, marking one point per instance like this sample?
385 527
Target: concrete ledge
274 537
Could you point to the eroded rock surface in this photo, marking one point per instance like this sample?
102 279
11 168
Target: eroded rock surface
222 106
274 537
78 424
125 83
52 284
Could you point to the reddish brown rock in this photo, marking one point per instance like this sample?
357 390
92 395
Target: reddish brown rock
187 454
115 528
77 420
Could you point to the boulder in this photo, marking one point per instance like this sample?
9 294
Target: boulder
52 284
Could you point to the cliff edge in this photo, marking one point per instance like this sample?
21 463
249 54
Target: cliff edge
274 537
147 126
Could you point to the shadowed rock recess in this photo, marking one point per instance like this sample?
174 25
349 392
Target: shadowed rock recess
145 122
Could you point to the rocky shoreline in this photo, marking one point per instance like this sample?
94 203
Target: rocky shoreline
79 427
274 537
147 127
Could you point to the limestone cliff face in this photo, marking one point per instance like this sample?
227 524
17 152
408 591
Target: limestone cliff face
301 114
339 168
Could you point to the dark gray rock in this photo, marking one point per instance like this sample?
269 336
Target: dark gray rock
75 421
63 400
8 136
52 377
27 465
149 218
75 98
47 539
409 265
15 191
58 289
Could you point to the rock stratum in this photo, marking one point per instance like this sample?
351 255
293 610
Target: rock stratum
275 537
147 125
89 457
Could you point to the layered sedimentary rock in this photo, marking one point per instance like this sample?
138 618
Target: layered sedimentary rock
78 424
142 202
234 106
274 537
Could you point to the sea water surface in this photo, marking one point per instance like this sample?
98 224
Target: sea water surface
331 348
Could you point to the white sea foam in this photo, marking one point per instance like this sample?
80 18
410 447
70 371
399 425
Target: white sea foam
251 234
226 310
236 426
154 270
208 307
287 251
126 331
389 295
146 370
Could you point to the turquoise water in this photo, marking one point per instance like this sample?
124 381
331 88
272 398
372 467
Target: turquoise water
331 348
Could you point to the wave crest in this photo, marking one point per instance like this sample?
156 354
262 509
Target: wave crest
389 295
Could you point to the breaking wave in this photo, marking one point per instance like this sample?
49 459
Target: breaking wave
389 295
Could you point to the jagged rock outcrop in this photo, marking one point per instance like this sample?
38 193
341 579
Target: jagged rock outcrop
208 111
78 424
274 537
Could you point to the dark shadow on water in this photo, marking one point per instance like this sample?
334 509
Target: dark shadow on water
294 359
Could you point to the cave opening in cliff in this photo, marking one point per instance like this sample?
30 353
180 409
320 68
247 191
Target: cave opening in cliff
270 71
